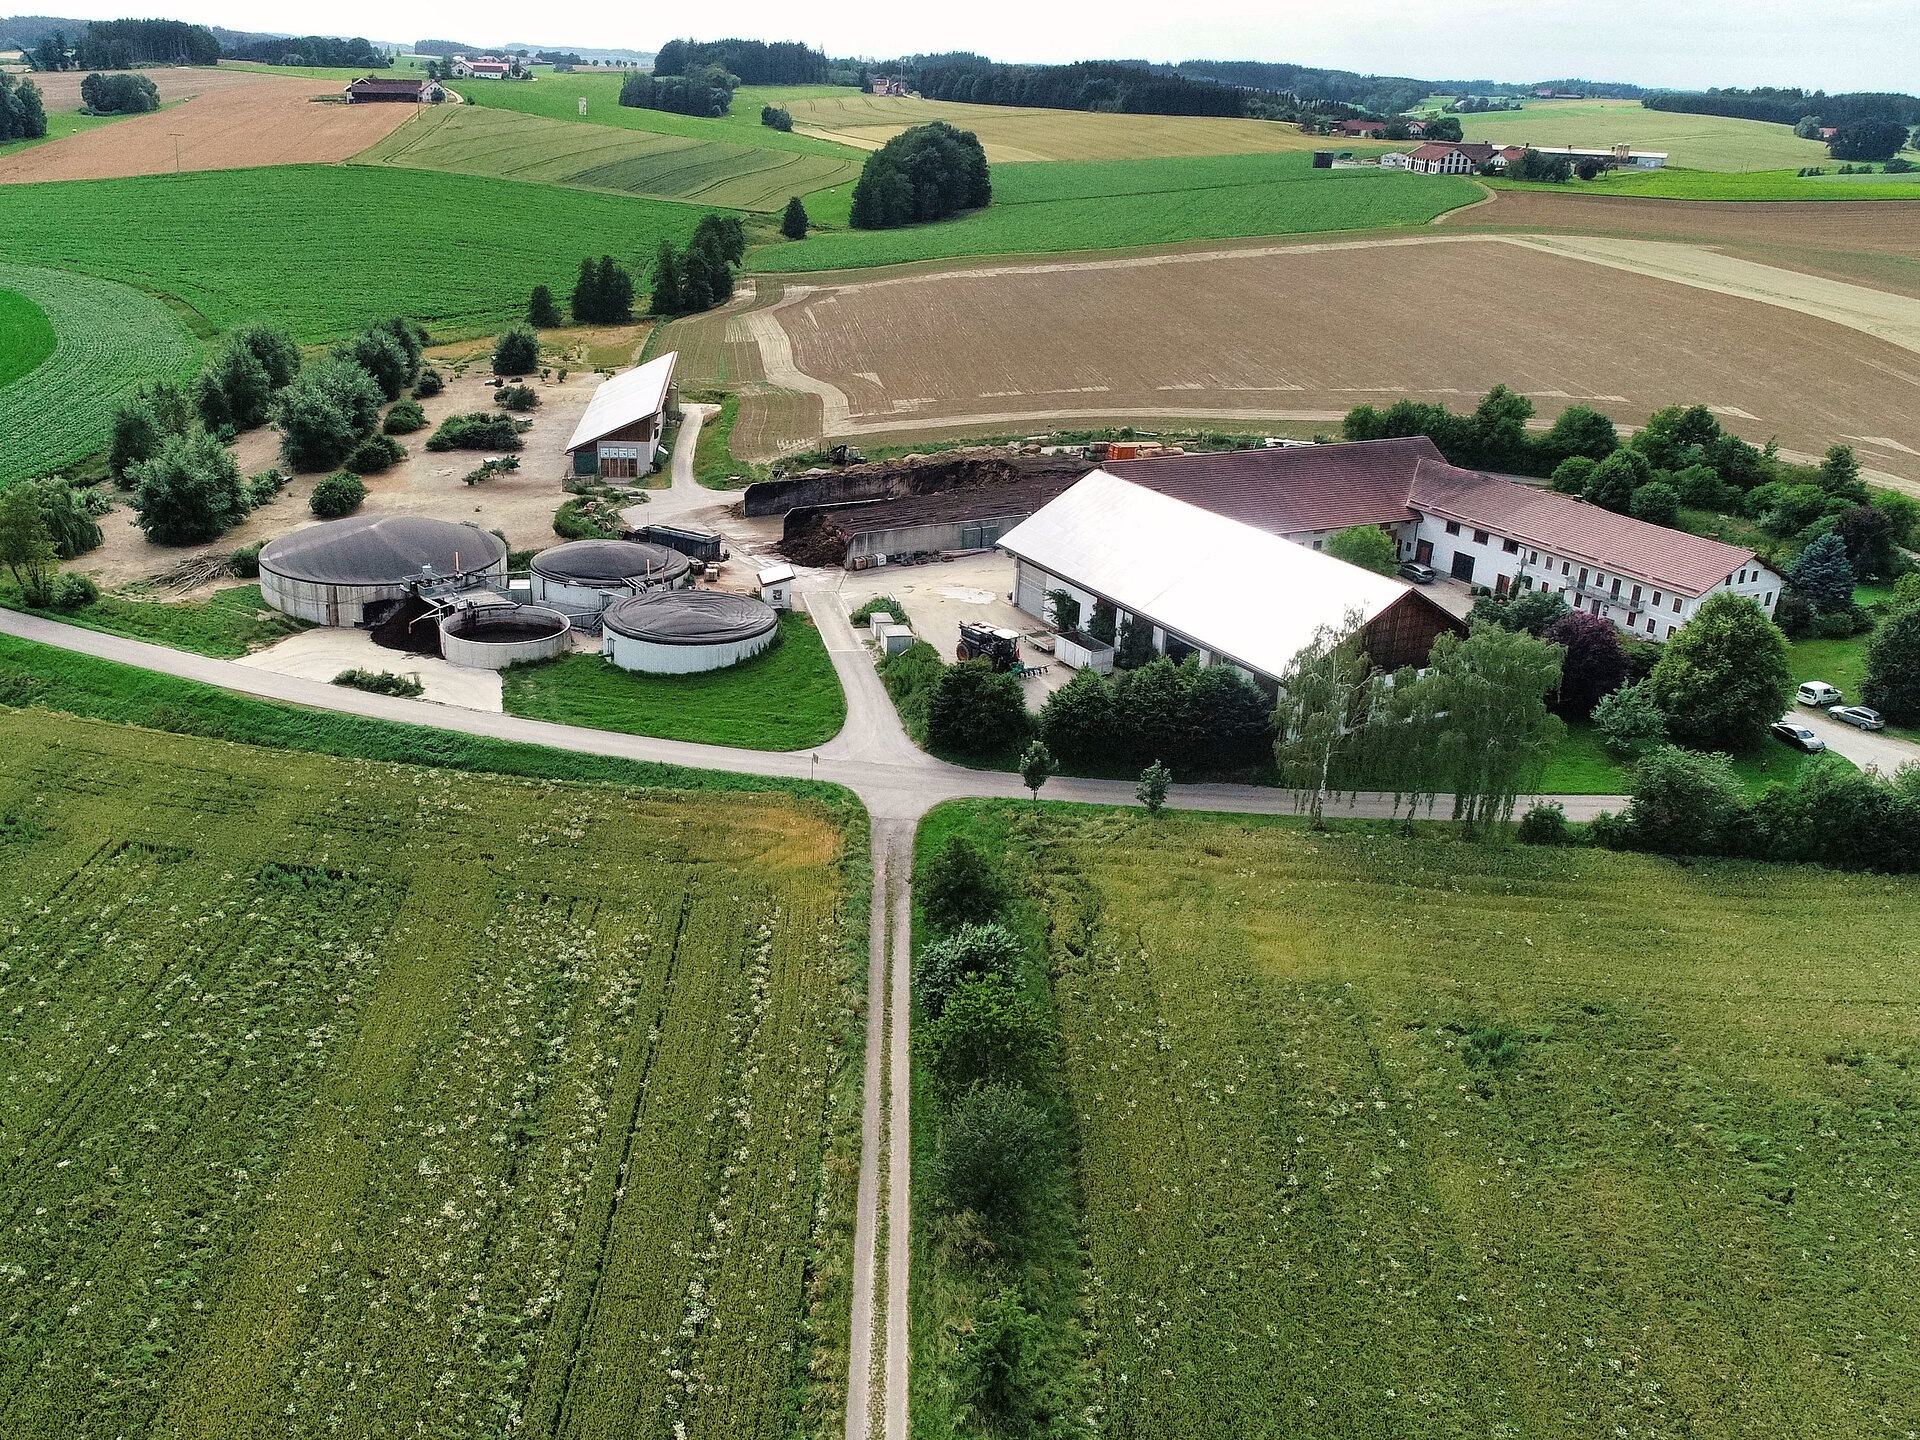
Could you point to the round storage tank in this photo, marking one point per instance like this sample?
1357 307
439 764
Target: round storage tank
678 632
589 574
329 573
492 637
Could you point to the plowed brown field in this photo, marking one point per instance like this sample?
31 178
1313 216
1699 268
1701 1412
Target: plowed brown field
231 120
1308 331
1868 242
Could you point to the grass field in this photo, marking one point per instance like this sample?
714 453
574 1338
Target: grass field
785 698
1379 1136
1101 205
1750 185
26 336
325 249
226 625
1582 766
1698 142
106 341
60 124
481 140
331 1116
1011 134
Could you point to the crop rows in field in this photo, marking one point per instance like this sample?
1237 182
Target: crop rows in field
476 140
325 249
356 1099
26 336
1390 1136
108 340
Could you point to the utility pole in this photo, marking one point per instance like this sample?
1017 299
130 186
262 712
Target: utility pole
176 150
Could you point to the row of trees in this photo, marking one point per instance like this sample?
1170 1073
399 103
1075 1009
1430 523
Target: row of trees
318 51
603 295
1789 106
23 113
703 90
926 173
121 44
1110 85
755 62
700 276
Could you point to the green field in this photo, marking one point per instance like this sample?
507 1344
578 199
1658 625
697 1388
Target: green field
107 341
480 140
1698 142
325 249
60 124
1110 204
26 336
1722 185
785 698
1413 1137
329 1116
226 625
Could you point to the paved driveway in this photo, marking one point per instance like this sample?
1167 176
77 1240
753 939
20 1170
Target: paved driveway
1876 748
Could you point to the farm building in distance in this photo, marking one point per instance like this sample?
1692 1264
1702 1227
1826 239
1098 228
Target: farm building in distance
1481 529
374 88
1618 155
1449 157
1229 591
619 435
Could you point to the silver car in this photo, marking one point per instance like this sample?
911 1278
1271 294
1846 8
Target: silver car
1861 717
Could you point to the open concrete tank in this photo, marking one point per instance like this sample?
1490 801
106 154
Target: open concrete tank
588 575
678 632
331 572
492 637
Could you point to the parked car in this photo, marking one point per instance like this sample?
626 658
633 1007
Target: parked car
1818 694
1416 572
1799 736
1858 716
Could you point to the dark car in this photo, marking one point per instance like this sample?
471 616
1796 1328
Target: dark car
1860 717
1416 572
1798 736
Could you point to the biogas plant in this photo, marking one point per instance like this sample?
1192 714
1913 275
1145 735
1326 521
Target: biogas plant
441 587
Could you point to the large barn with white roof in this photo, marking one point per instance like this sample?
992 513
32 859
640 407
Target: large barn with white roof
619 435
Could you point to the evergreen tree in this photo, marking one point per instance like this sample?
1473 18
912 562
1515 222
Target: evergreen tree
1840 475
793 224
542 314
666 281
1823 575
586 295
614 289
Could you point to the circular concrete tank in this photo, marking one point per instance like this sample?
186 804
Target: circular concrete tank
588 575
492 637
331 572
679 632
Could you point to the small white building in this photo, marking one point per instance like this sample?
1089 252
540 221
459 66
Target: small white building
776 586
619 435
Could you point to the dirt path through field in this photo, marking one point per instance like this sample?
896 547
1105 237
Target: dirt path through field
228 124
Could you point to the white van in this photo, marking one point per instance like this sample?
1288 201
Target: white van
1818 694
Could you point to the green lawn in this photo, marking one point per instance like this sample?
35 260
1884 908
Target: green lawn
60 124
225 626
325 249
1106 204
785 698
1381 1136
714 465
1679 184
1583 766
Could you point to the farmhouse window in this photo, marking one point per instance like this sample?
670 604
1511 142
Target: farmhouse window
1769 599
1319 544
1452 529
1658 598
1512 547
1533 558
1676 604
1566 567
1636 595
1616 587
1583 575
1479 537
1649 627
1669 632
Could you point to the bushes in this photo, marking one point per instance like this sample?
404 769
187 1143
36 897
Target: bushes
476 431
775 118
1543 825
928 172
189 493
969 953
910 678
517 351
580 519
993 1143
376 453
1686 803
382 356
974 711
245 562
516 397
1183 714
380 682
1657 503
1367 546
324 413
404 418
337 495
960 886
1594 666
73 592
119 95
987 1031
430 384
1628 720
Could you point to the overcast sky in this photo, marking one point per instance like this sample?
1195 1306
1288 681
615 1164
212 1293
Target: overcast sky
1830 44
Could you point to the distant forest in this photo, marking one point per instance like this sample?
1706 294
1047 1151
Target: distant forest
1117 85
120 44
753 62
1788 107
327 51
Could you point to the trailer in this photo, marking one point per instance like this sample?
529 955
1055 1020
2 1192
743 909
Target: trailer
697 544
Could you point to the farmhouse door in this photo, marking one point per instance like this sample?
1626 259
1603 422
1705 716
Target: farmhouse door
1462 566
1423 552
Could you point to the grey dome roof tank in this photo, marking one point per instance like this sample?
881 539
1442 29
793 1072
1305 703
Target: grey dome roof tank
381 550
689 617
609 564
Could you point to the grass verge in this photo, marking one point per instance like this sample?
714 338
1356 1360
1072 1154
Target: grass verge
224 626
785 698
